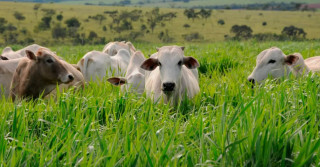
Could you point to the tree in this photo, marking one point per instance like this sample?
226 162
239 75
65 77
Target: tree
293 32
36 8
48 12
186 26
19 16
46 20
221 22
92 35
99 18
154 18
205 13
191 14
3 23
58 32
59 17
73 22
242 31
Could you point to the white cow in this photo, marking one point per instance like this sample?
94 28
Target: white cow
112 48
96 65
273 62
134 78
313 63
7 69
169 75
8 53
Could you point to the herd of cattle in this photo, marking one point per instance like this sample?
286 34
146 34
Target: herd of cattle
35 70
166 74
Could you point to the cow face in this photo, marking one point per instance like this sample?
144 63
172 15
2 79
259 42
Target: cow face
272 62
170 61
50 67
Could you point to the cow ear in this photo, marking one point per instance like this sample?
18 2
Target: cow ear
291 59
117 81
182 48
150 64
3 58
31 55
76 67
191 62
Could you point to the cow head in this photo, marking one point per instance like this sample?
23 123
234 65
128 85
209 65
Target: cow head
3 58
49 67
170 61
272 62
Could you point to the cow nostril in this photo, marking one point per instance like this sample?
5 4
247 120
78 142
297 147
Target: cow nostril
71 77
168 86
251 80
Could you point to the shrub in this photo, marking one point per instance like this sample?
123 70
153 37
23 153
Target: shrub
241 32
73 22
221 22
192 36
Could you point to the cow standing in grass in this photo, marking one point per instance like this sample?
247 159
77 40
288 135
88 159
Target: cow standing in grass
168 75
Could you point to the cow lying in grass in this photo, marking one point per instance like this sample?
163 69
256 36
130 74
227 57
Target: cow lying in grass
8 53
39 74
112 48
273 62
168 75
134 78
95 65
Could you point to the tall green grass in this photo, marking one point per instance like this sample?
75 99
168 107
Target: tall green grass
226 124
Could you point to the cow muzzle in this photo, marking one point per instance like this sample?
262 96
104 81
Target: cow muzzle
67 78
168 86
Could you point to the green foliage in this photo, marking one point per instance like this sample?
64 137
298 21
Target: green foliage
59 17
241 32
59 32
19 16
227 124
294 32
73 22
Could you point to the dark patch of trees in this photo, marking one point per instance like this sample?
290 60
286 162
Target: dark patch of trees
293 32
241 32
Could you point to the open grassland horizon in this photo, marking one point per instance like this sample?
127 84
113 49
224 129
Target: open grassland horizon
208 28
227 124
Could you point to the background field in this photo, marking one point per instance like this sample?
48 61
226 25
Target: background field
227 124
170 3
209 29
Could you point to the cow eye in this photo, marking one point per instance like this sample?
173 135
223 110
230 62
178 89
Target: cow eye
159 64
49 61
180 63
271 61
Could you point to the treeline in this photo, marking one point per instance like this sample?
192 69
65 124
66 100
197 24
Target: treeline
282 6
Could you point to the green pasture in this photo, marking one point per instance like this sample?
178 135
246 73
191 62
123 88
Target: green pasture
209 29
227 124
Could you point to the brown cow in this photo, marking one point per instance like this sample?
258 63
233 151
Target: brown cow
38 74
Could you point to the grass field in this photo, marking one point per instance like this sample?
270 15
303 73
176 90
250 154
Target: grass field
227 124
209 29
